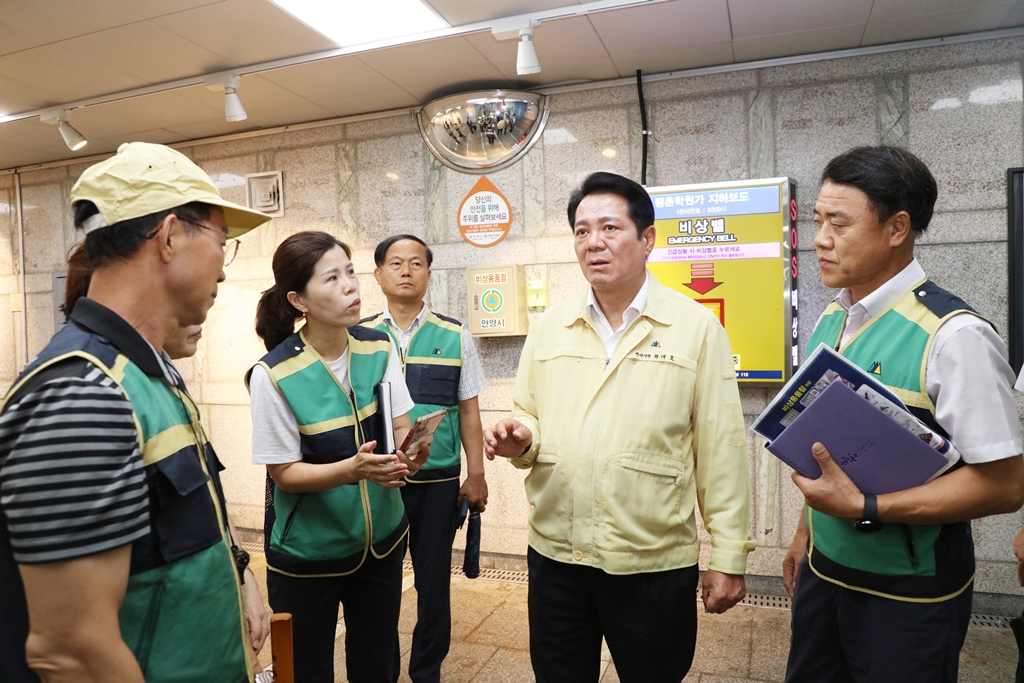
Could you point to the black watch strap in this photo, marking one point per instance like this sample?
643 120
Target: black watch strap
241 561
869 521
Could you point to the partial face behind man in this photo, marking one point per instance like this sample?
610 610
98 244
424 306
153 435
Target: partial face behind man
405 273
611 253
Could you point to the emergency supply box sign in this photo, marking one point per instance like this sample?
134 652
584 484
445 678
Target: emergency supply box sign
497 300
732 248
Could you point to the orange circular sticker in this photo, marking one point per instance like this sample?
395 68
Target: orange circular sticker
484 215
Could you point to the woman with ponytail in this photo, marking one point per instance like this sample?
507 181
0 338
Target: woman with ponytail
335 526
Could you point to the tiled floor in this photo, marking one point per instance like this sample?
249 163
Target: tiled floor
490 642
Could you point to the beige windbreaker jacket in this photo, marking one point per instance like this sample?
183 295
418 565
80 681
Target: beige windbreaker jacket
623 447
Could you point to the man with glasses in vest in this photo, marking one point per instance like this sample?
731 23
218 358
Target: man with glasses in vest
116 562
882 585
442 371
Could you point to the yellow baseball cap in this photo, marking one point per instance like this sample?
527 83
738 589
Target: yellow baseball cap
143 178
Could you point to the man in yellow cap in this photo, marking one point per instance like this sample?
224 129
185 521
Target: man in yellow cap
115 557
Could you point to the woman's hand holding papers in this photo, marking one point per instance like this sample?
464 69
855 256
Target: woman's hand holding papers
833 492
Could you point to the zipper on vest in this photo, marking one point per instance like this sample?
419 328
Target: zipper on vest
364 494
148 633
908 539
291 518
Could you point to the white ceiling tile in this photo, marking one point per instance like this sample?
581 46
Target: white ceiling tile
935 25
148 51
32 133
12 155
682 57
142 113
255 91
798 43
329 79
283 116
895 9
425 68
158 136
382 100
156 8
1015 16
666 26
54 20
245 31
64 75
568 49
15 40
459 12
751 18
16 97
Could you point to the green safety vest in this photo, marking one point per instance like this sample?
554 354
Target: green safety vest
330 533
433 367
939 564
182 612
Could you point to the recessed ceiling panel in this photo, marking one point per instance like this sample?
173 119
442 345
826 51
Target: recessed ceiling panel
158 8
53 20
1015 17
382 100
141 113
895 9
64 75
677 59
330 79
16 40
935 25
422 69
16 97
800 42
667 26
12 155
246 32
752 18
255 91
148 51
458 12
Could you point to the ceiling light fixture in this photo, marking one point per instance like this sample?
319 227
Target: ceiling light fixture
527 61
59 117
521 28
228 82
359 23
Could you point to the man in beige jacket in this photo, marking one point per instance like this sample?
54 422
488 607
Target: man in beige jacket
627 413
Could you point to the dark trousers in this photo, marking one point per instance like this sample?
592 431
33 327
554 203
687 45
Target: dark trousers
648 620
431 510
846 636
372 597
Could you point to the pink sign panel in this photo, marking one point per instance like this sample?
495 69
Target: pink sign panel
716 251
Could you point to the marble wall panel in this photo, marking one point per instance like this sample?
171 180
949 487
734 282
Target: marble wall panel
391 189
593 99
960 227
574 145
231 345
814 297
868 66
228 174
701 140
993 537
761 133
311 190
500 355
47 212
966 124
974 272
735 81
816 123
388 126
348 192
230 432
533 190
893 109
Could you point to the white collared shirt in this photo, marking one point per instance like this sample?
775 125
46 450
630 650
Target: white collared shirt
604 329
472 381
967 377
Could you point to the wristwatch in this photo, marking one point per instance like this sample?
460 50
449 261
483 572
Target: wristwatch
241 561
265 676
869 522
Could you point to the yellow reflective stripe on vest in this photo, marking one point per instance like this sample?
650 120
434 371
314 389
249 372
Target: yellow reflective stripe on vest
339 422
433 360
368 346
292 365
167 443
440 322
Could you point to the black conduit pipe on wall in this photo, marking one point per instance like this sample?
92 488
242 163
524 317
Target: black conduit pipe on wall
643 125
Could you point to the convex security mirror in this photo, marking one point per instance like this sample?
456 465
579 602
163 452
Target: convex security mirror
483 131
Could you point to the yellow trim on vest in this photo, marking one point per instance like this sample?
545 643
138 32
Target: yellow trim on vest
810 563
392 548
328 425
428 481
53 361
440 322
167 443
434 360
368 346
290 366
117 372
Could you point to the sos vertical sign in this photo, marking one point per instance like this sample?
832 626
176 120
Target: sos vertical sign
732 248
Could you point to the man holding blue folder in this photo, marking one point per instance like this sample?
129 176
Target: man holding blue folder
882 585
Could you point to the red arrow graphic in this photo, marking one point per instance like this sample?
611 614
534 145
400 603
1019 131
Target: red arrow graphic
702 278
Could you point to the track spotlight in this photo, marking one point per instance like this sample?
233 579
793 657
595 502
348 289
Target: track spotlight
59 117
233 109
526 60
228 82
